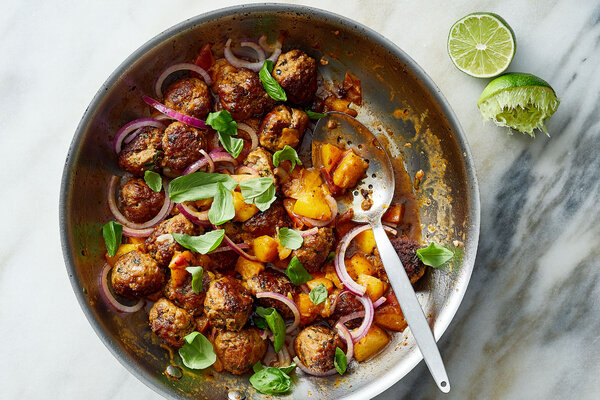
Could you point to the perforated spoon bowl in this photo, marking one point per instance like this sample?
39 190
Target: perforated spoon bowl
378 190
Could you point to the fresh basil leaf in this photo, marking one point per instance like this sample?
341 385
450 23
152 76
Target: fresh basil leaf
315 115
233 146
340 361
153 180
264 201
271 380
197 273
253 188
221 209
223 123
260 323
276 325
318 294
198 186
287 153
330 257
296 272
435 255
271 86
113 234
289 368
197 352
290 239
200 244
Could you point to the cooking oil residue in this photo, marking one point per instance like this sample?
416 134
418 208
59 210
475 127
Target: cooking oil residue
174 372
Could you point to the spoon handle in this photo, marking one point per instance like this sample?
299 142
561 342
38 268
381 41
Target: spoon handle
410 307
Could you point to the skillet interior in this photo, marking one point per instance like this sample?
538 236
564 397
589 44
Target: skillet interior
424 132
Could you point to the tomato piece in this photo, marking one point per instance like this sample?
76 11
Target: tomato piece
205 58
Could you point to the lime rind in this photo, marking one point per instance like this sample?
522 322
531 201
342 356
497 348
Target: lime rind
524 108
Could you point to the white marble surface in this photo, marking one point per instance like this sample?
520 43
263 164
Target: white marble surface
529 325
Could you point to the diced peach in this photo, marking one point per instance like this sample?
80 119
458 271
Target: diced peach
375 287
247 268
289 136
330 274
282 251
178 264
366 241
390 317
308 310
137 240
313 205
333 103
359 264
330 155
394 214
375 340
265 248
123 249
318 281
350 169
243 211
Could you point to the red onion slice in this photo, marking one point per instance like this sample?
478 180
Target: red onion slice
379 302
332 203
111 299
207 160
368 313
141 233
275 49
259 50
239 63
283 357
245 170
227 248
309 232
223 157
112 205
251 132
290 303
237 249
197 217
179 67
347 337
132 126
186 119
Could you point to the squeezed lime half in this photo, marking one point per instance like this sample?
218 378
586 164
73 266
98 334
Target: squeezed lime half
520 101
481 44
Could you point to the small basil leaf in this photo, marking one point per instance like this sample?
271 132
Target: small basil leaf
289 368
113 234
276 325
290 239
260 323
200 244
330 256
197 273
318 294
340 361
296 272
221 209
197 352
315 115
198 186
435 255
253 188
233 146
222 121
153 180
264 201
272 87
287 153
271 380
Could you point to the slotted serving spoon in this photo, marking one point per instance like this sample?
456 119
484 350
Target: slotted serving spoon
336 128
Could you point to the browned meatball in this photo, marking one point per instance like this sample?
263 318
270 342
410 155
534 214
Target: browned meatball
282 126
182 144
227 304
240 91
315 249
273 281
136 274
189 96
183 296
296 72
407 251
171 323
143 153
315 347
239 351
347 303
266 222
139 202
162 246
262 161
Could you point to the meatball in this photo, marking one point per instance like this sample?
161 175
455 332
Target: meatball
239 351
407 251
296 72
240 91
262 161
347 303
136 274
183 296
143 153
282 126
163 247
267 222
171 323
227 304
189 96
273 281
315 249
139 202
315 347
182 144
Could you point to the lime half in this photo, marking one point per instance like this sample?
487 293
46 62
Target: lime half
481 45
520 101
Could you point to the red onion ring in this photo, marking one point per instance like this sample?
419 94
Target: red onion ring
197 217
290 303
186 119
227 248
283 357
347 337
201 163
245 170
137 232
132 126
318 223
162 214
251 132
237 249
379 302
309 232
223 157
275 49
105 290
254 46
239 63
179 67
369 312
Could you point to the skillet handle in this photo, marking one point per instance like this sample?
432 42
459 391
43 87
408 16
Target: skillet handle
410 307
